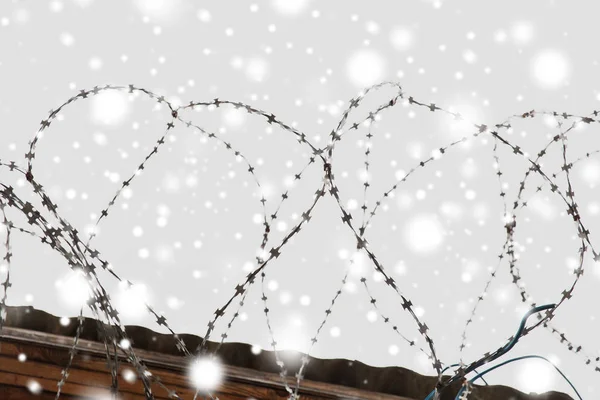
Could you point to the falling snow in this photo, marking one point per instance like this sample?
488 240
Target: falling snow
188 228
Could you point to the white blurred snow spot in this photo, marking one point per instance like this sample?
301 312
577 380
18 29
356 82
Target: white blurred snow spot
372 27
469 56
371 316
95 63
285 298
464 124
73 289
131 302
174 303
171 183
290 7
206 374
100 139
163 11
542 207
256 69
365 68
273 285
451 210
67 39
305 300
204 15
550 69
424 233
109 107
534 375
590 172
234 118
164 254
359 265
129 375
34 386
401 38
522 32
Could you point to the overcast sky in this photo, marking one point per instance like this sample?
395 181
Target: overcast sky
187 230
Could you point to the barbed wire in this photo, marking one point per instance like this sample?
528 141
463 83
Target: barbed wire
80 256
508 246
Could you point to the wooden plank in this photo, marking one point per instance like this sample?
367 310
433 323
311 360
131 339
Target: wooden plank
93 374
46 341
85 374
20 393
49 386
47 354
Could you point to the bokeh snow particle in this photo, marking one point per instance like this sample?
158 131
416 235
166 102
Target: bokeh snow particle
451 210
469 56
550 69
305 300
534 376
73 289
359 266
131 302
371 316
590 172
522 32
204 15
34 386
365 68
542 207
129 375
163 11
67 39
21 16
256 69
372 27
234 118
174 303
401 38
206 374
463 126
335 331
424 233
290 7
109 108
95 64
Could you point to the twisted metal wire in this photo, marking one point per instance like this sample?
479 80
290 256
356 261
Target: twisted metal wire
79 255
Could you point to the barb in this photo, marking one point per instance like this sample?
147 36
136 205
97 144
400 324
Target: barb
79 255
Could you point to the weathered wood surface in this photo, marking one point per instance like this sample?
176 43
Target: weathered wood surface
46 342
47 354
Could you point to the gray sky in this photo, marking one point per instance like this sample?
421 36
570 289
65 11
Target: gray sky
187 229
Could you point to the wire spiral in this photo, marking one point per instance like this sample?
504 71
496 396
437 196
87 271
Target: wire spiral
80 255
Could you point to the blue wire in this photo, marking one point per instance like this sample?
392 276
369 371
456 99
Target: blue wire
510 345
430 396
522 326
518 359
